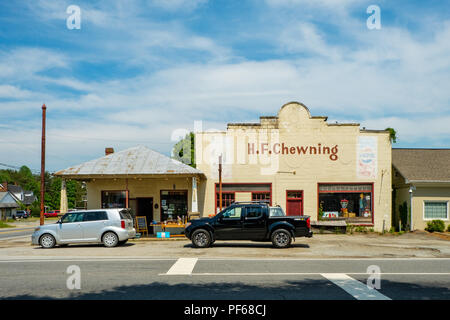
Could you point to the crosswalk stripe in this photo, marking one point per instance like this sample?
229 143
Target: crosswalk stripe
357 289
183 266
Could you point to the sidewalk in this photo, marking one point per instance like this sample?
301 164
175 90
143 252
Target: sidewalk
321 246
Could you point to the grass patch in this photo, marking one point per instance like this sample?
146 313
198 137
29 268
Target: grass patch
4 224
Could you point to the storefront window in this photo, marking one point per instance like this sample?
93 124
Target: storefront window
227 200
259 191
114 199
346 202
261 196
174 205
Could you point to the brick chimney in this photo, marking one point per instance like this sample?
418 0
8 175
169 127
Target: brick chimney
108 151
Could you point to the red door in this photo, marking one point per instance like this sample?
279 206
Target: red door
294 202
294 207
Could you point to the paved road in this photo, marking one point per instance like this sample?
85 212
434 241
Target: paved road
6 234
224 279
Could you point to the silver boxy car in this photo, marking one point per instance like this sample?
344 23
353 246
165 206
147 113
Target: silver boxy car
111 227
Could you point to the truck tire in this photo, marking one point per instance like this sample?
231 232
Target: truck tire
201 238
281 238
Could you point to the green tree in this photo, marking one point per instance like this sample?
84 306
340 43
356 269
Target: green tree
52 198
392 135
184 150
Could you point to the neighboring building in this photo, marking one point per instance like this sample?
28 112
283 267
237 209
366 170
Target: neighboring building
329 171
25 197
8 205
421 177
16 191
152 184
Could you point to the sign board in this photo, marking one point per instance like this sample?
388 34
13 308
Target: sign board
141 224
367 157
163 234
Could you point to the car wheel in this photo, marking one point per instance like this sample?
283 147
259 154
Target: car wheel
281 238
201 238
110 239
47 241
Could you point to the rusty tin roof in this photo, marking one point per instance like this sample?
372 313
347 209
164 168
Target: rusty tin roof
138 160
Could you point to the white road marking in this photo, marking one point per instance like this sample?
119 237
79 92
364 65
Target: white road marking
357 289
318 273
183 266
84 260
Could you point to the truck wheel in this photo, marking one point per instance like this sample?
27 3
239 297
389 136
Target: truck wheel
281 238
201 238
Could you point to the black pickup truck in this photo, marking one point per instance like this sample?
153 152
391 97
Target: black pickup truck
248 221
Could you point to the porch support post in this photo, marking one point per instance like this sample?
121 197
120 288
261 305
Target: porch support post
194 198
63 206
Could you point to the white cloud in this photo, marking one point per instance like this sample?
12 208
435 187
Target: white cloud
20 63
173 5
8 91
391 77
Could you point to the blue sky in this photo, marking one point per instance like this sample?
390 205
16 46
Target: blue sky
138 70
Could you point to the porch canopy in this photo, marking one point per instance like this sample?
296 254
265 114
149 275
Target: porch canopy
134 163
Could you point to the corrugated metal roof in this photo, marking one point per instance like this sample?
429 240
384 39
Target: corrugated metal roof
138 160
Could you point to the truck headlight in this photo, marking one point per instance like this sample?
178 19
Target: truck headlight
187 225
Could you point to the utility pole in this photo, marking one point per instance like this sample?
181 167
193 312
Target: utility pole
220 182
44 108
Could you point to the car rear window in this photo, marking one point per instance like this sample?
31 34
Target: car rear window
125 215
95 216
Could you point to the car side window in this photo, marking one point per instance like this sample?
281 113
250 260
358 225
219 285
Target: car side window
95 216
72 217
233 213
253 212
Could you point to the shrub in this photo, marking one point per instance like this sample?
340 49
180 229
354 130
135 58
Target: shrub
361 229
448 228
350 228
435 225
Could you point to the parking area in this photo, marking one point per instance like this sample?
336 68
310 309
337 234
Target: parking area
413 245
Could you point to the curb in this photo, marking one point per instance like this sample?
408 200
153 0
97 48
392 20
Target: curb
158 239
440 235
